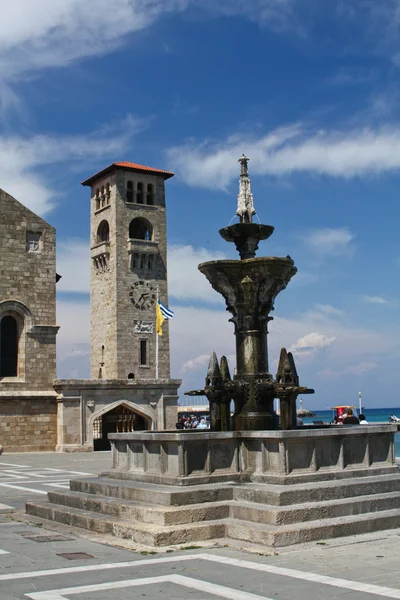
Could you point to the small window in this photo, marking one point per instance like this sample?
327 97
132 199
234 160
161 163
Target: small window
129 191
143 352
131 376
33 241
103 232
108 193
142 261
139 195
135 260
150 262
150 194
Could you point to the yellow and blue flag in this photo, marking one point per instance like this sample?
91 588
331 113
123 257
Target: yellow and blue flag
162 313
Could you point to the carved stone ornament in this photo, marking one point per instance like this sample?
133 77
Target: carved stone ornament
143 326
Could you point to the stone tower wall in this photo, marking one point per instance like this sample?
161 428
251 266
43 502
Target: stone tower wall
116 323
103 304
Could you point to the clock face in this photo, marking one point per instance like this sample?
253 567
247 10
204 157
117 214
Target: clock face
142 295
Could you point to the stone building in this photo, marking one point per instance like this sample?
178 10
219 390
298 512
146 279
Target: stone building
28 401
130 386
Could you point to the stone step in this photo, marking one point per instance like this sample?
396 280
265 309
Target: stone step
299 513
142 513
237 509
148 493
140 533
287 535
282 495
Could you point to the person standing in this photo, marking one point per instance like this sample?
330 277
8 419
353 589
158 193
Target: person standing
350 419
362 419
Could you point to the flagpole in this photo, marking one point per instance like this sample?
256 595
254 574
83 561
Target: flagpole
156 339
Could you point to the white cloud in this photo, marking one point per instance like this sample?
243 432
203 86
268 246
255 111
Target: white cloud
20 159
39 34
328 310
360 368
287 151
328 242
73 265
73 355
185 282
311 343
194 363
375 300
363 367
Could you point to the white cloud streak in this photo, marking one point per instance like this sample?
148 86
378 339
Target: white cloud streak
35 35
288 151
375 300
310 344
330 242
21 158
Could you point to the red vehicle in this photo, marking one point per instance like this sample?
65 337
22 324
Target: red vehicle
339 413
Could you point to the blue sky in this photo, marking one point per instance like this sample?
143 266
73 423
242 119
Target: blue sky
308 89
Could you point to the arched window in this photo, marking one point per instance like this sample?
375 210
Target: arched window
139 195
131 376
129 191
150 194
97 199
140 229
103 232
8 347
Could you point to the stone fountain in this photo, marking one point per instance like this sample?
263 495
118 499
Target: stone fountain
245 480
249 287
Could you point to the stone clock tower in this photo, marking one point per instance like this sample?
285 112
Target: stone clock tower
128 271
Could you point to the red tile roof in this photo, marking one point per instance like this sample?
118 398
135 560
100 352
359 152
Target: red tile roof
127 165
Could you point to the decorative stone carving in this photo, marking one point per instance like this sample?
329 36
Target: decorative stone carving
143 326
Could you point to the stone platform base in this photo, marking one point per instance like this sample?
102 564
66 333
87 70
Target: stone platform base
274 488
267 514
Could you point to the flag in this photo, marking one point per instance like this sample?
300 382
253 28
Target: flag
159 319
162 313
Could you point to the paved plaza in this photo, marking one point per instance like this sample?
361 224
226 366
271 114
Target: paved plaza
49 562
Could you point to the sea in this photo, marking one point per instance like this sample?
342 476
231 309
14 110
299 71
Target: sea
372 415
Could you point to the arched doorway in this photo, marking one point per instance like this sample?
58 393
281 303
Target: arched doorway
120 419
8 347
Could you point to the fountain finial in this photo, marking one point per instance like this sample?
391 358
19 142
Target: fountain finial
245 209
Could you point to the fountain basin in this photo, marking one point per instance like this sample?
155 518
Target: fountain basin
246 237
277 457
255 280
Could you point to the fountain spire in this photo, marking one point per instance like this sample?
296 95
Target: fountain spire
245 209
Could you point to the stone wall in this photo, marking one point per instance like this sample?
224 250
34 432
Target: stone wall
28 424
28 293
82 401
